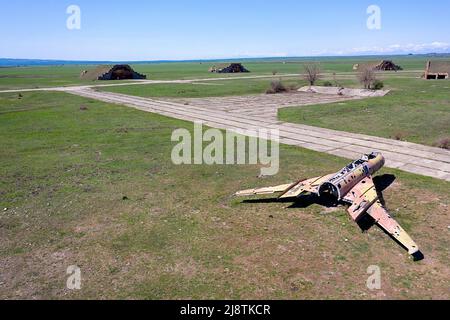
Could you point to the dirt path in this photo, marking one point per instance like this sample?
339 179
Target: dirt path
259 111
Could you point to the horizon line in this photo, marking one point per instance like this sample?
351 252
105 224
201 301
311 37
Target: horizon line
226 58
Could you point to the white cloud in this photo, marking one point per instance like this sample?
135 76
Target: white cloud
432 47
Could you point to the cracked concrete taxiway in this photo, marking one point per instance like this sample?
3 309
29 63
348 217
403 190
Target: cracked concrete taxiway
260 111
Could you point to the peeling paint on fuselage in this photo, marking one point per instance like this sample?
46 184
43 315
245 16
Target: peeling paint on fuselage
347 178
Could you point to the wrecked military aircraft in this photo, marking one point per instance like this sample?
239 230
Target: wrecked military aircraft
352 186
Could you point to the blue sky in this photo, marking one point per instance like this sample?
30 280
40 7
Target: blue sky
196 29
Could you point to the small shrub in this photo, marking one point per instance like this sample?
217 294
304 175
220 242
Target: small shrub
367 77
122 130
274 72
83 108
399 136
336 82
276 87
443 143
327 84
378 85
312 73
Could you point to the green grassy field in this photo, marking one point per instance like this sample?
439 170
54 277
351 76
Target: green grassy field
416 111
97 189
38 77
200 90
238 87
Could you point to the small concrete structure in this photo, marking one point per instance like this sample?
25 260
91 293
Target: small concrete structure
346 92
437 70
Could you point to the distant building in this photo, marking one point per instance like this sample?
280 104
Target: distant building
437 70
228 68
384 65
110 72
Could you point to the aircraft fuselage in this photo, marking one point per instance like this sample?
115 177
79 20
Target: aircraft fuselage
346 179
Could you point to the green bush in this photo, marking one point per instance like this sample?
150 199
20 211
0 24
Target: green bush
327 84
276 87
378 85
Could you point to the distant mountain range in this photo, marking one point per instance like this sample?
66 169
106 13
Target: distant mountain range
5 62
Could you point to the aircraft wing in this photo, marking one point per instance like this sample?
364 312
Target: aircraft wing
292 190
388 224
364 199
361 197
263 191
